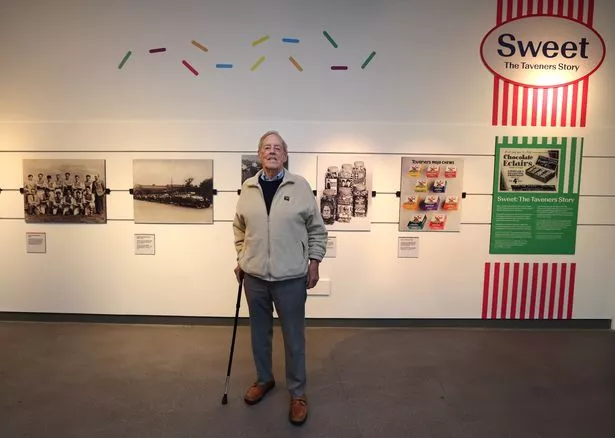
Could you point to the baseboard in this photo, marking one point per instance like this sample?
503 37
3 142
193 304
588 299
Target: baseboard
593 324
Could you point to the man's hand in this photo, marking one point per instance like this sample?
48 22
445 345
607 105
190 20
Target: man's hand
313 276
238 274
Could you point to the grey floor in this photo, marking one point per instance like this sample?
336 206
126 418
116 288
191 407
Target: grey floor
103 380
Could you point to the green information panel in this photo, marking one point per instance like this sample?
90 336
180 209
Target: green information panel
535 195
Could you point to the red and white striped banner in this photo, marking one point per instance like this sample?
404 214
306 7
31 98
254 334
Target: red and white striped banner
516 105
528 290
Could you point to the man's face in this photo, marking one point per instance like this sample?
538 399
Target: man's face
271 153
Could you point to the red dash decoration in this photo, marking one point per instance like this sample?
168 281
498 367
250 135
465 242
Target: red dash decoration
189 67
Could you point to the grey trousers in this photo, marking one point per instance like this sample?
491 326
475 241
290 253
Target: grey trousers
289 298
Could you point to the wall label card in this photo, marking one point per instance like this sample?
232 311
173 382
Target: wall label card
331 247
36 243
535 195
408 247
145 244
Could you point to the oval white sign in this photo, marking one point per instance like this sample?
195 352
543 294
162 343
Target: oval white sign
542 51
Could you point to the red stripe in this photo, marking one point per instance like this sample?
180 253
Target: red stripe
554 98
560 8
580 10
496 281
513 300
530 6
564 106
515 104
505 104
590 13
552 296
524 108
515 108
533 296
573 271
562 291
496 101
570 8
520 8
486 289
543 291
509 10
505 290
540 7
584 94
545 104
550 7
573 106
498 18
526 267
534 106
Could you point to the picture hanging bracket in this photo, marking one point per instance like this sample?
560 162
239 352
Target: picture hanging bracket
21 190
314 191
215 191
107 191
131 191
373 193
0 190
463 195
239 191
398 194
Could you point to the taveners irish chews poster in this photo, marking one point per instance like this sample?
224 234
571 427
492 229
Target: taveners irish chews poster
535 195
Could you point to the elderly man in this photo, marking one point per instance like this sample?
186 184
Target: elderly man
280 238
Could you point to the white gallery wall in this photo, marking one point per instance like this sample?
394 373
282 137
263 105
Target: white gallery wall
425 92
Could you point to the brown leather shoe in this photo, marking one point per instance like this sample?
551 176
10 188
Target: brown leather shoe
298 410
257 391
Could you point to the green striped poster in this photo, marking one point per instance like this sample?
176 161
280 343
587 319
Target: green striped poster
535 195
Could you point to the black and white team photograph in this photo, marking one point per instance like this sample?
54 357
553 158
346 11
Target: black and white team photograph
64 191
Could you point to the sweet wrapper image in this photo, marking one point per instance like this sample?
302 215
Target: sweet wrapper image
421 185
415 170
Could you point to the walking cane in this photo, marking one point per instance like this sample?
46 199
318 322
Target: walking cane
230 359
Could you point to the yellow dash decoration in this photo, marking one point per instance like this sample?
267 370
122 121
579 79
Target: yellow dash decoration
295 63
257 63
260 40
200 46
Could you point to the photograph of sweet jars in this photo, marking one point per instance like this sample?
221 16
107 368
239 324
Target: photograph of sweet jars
344 204
331 179
344 177
359 200
328 206
359 173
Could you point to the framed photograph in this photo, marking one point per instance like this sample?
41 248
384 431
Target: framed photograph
431 193
64 191
173 191
344 190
